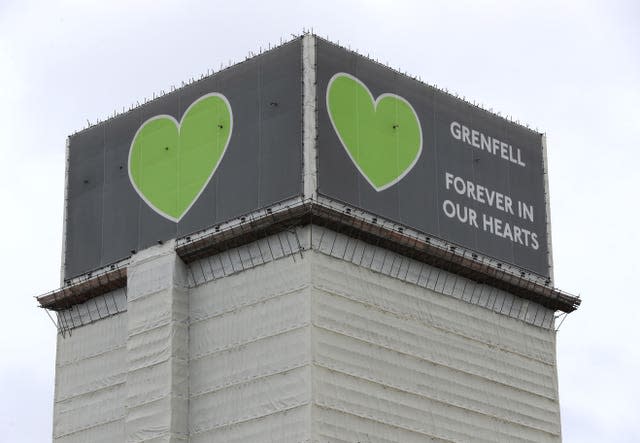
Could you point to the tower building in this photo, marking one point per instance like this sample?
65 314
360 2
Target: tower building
307 246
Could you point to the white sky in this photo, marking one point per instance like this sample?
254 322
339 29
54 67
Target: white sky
571 69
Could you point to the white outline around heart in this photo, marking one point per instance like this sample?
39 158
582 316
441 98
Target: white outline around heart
179 126
375 106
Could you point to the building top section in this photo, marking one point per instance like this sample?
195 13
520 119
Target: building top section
308 119
411 153
211 151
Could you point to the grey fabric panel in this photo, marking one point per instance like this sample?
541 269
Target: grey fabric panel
417 199
262 165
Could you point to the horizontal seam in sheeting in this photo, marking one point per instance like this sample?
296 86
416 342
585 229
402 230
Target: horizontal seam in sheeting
157 363
247 380
90 426
160 324
419 357
449 297
97 354
232 346
154 399
401 315
251 340
174 435
388 423
69 397
424 358
422 325
149 294
386 384
320 323
448 308
442 290
195 320
246 419
336 407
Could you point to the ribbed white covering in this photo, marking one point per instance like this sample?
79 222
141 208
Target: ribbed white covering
90 375
157 384
391 361
394 359
305 347
250 355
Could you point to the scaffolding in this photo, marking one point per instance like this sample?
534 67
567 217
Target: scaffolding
280 221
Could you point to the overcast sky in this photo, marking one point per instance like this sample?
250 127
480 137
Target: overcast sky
571 69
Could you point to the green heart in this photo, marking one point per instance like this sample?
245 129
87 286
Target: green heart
382 137
170 163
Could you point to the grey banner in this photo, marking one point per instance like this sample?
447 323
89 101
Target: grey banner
478 182
107 219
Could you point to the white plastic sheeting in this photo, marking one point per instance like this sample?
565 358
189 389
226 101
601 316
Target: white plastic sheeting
250 355
398 266
391 361
157 383
399 357
125 378
340 342
292 243
90 376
